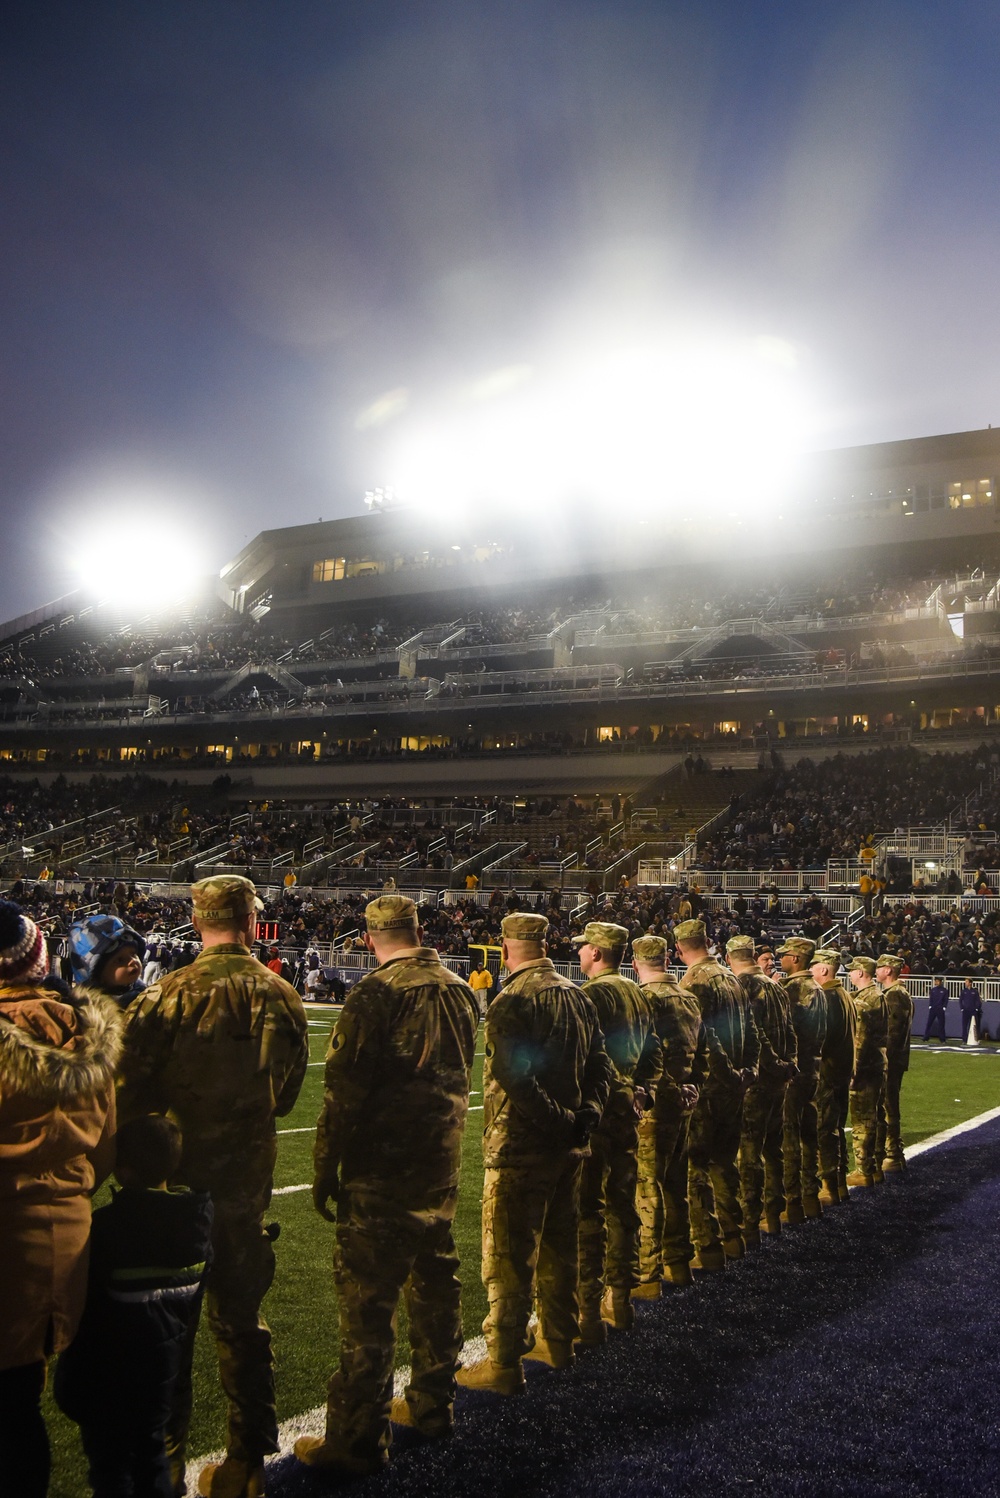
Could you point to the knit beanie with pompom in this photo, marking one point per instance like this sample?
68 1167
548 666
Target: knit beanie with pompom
24 957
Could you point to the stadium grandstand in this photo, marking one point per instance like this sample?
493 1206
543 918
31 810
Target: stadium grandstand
481 723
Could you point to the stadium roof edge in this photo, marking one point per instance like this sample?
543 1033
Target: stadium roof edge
10 627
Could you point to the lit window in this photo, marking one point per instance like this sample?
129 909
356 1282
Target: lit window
331 570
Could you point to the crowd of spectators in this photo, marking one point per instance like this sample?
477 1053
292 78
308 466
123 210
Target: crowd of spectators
814 811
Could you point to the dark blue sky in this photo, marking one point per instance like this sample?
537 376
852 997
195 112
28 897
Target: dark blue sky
228 229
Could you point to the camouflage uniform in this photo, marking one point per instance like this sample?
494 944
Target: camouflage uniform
836 1068
388 1149
609 1222
868 1082
761 1170
546 1080
713 1176
662 1188
800 1146
888 1139
222 1044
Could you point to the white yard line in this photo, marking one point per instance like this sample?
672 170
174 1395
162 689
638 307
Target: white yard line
312 1422
305 1129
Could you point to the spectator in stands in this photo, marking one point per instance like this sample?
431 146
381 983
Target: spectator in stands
937 1009
971 1004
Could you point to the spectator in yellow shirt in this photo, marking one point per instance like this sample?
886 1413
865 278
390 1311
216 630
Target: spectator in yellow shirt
480 980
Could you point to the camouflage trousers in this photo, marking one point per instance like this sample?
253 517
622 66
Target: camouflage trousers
713 1177
240 1276
800 1148
832 1105
867 1099
609 1222
888 1137
761 1170
384 1251
662 1186
531 1219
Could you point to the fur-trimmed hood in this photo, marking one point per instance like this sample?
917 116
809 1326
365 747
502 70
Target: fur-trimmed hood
58 1053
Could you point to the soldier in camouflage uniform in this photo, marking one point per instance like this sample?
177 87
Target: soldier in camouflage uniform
836 1069
734 1050
546 1081
868 1083
888 1139
222 1045
388 1153
761 1171
609 1222
662 1188
800 1146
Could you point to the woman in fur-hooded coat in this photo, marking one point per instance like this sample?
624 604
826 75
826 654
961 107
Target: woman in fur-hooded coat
57 1119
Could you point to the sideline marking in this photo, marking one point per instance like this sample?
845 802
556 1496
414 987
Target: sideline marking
313 1422
306 1129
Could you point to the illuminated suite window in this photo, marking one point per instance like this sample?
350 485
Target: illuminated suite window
966 493
331 570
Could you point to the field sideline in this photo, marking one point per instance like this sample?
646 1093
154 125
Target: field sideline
943 1088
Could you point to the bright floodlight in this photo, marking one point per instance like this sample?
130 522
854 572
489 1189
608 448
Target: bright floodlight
137 556
679 423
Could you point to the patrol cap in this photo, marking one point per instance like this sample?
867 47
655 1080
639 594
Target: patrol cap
889 959
390 913
829 955
225 897
650 949
801 946
864 963
603 934
741 946
523 925
692 931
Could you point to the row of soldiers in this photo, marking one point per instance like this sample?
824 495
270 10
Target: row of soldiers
635 1134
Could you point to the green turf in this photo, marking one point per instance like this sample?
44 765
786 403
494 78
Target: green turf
940 1090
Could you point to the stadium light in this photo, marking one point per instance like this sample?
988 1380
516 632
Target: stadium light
663 428
137 559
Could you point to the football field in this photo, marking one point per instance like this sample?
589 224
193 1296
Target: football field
944 1087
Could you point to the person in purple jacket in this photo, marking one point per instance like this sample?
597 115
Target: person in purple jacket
971 1004
936 1013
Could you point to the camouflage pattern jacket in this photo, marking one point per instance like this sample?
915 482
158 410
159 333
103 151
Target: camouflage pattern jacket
397 1081
837 1056
545 1063
900 1007
772 1017
732 1035
808 1011
677 1025
222 1044
629 1039
872 1032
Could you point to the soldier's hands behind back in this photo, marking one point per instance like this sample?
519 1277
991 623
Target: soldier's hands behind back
324 1191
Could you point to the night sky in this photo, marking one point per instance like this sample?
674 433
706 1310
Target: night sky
249 247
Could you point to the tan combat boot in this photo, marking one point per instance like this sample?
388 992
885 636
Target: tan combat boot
648 1290
771 1225
860 1178
492 1378
893 1167
679 1275
617 1310
231 1479
751 1237
435 1426
333 1458
793 1215
552 1354
709 1260
811 1207
734 1246
592 1333
878 1175
829 1195
845 1194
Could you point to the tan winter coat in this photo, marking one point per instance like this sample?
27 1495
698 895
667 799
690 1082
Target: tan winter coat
57 1121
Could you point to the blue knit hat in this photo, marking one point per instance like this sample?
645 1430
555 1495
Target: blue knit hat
97 937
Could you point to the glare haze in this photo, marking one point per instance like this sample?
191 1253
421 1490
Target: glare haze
260 258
